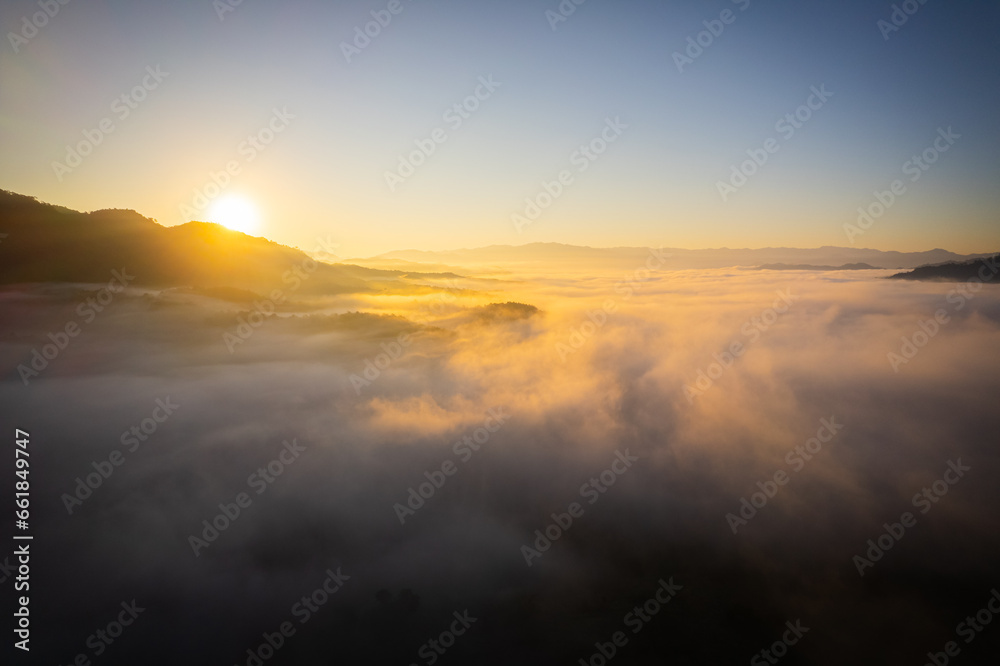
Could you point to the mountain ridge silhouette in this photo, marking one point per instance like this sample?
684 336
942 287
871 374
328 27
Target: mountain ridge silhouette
50 243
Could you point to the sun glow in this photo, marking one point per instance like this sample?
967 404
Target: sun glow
236 213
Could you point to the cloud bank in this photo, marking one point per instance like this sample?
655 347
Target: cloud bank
486 422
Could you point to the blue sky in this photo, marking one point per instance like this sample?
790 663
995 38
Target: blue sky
657 184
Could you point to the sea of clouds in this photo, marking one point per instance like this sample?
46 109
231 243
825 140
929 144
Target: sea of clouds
706 381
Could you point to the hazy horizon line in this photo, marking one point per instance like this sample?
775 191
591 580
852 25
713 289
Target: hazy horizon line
512 245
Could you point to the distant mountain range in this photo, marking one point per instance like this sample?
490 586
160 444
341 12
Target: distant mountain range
984 270
810 267
626 258
48 243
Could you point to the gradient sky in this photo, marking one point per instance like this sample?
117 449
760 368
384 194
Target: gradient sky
323 176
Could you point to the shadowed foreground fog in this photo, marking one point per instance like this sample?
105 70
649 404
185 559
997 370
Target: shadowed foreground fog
513 411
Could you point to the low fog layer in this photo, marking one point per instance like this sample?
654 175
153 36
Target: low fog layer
705 381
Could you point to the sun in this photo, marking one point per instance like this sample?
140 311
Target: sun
235 212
